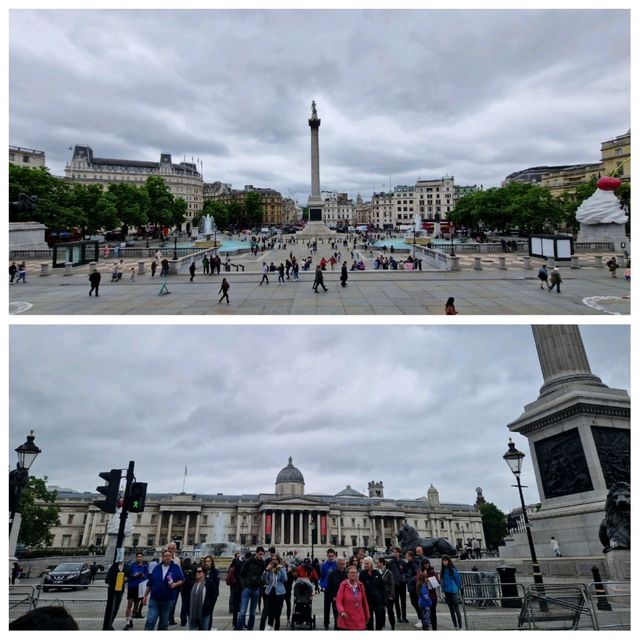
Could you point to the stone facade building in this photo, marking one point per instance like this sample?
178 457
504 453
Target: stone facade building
26 157
288 518
616 157
183 179
271 200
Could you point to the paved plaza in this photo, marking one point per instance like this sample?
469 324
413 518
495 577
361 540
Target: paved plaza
491 291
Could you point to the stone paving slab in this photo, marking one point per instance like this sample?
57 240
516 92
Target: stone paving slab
489 292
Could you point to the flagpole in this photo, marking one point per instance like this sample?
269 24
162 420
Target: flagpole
184 480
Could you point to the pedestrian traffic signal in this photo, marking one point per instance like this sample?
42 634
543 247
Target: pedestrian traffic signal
111 490
137 494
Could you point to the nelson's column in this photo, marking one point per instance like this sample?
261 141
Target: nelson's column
315 226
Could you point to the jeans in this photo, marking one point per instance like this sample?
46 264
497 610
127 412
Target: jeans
203 625
452 602
158 611
248 595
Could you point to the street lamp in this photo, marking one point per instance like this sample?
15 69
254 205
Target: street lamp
175 245
514 458
19 477
414 239
453 253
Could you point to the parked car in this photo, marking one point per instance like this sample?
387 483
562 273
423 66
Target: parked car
72 575
113 236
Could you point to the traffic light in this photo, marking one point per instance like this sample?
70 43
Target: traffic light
111 490
137 495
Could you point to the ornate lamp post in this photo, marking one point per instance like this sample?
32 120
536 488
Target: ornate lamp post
453 253
414 239
175 245
514 458
19 477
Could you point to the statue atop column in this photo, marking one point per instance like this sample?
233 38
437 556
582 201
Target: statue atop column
314 113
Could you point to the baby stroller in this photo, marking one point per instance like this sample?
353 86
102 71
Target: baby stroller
302 598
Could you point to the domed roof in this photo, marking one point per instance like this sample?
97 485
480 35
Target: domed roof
290 474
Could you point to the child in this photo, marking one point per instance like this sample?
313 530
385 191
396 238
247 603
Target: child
132 271
224 289
424 600
114 272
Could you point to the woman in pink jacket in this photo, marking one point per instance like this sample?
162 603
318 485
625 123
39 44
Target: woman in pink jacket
351 602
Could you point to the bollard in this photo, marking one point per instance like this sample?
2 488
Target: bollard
173 267
527 262
502 263
454 262
44 268
601 590
140 267
68 268
92 267
551 262
477 263
598 264
575 262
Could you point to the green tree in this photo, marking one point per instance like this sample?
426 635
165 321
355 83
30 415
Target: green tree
178 212
237 216
494 524
132 204
253 208
160 201
39 513
98 206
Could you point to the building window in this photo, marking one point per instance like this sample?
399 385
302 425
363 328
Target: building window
353 522
25 159
154 518
231 538
135 541
204 519
98 540
138 519
354 541
70 519
66 541
151 541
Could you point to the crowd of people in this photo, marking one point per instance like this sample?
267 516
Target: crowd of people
359 593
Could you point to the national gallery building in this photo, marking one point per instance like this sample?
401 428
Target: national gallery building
289 519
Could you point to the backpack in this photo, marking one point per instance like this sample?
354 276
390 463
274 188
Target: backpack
231 578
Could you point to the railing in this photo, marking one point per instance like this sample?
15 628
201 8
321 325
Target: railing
491 606
610 604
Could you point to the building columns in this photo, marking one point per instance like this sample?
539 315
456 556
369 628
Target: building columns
282 538
196 538
300 529
291 528
170 527
186 529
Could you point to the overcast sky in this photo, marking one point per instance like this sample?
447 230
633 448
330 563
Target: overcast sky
402 95
408 405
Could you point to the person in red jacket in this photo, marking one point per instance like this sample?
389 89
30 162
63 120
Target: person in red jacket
351 603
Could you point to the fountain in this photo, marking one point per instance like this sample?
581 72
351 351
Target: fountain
219 547
417 232
207 232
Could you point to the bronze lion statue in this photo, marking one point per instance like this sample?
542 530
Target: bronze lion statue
615 530
409 539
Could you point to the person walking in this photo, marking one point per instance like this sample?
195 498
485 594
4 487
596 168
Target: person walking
319 280
250 581
411 569
281 274
374 590
451 584
205 265
334 580
265 272
162 586
212 576
154 266
94 280
433 582
13 270
556 279
424 600
327 567
192 270
138 573
555 547
543 276
450 308
613 266
351 603
224 289
389 585
396 566
344 274
164 272
22 272
274 578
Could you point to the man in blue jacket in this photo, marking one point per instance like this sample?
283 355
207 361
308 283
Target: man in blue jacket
328 566
163 585
138 573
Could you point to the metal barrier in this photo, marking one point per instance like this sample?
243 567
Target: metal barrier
481 588
22 598
610 604
556 607
485 608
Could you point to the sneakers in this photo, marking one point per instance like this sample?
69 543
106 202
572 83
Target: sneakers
418 625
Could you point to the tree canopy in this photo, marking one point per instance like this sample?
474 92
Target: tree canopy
39 513
494 524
